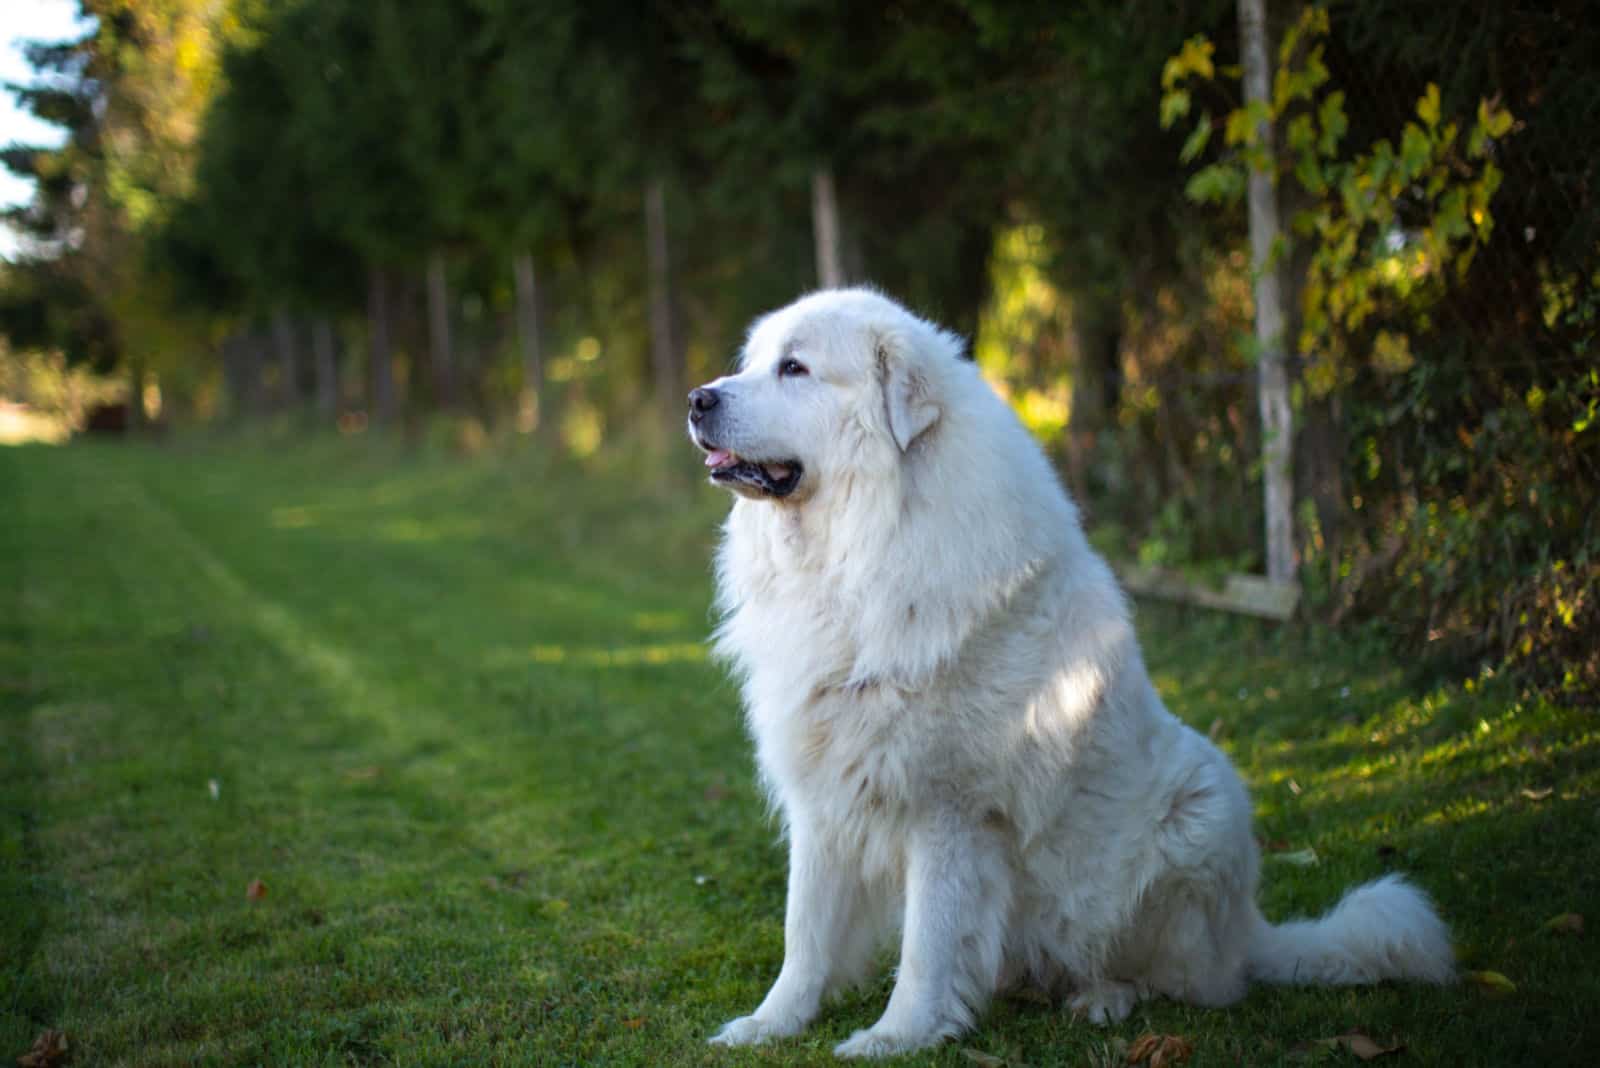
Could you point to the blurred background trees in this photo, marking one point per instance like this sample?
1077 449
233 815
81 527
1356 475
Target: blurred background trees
549 216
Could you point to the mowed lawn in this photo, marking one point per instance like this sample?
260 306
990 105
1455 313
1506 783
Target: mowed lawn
454 719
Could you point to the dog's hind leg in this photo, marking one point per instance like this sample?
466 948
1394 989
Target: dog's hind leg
824 944
958 900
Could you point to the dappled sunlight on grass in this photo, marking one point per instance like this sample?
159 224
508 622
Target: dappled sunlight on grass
423 531
656 622
600 657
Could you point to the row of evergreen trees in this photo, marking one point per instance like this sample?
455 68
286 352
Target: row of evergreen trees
399 205
549 165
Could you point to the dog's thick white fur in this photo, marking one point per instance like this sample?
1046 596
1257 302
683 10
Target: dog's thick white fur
952 716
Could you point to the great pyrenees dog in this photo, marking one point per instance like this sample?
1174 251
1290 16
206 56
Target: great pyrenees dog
952 716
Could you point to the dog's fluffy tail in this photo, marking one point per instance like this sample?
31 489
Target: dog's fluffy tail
1386 929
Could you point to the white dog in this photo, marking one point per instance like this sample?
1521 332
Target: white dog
951 713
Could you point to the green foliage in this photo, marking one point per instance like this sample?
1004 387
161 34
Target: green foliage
1388 227
1465 520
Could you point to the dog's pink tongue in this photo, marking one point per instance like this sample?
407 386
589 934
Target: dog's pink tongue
719 458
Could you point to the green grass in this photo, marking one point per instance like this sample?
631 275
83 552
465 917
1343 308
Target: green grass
462 727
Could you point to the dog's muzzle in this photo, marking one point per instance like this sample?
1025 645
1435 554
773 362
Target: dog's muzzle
770 478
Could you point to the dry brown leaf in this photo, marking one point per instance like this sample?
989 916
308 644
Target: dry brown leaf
1361 1045
1566 923
634 1024
49 1049
1159 1051
256 890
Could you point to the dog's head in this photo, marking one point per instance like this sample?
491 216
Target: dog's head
839 381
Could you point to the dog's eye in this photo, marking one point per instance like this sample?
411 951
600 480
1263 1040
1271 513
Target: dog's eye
790 367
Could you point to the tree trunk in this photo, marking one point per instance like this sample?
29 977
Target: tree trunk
233 379
825 229
322 346
1096 387
252 348
1277 424
443 360
665 361
528 341
381 399
137 421
288 359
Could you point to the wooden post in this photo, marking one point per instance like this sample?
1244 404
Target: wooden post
382 401
1277 425
443 360
825 229
528 340
288 354
137 417
327 367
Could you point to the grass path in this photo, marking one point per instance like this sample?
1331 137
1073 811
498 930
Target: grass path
457 718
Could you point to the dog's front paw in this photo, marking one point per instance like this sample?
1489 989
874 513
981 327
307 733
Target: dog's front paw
1105 1003
882 1042
754 1030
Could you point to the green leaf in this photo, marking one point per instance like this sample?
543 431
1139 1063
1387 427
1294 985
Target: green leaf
1334 123
1428 106
1495 119
1309 175
1197 140
1301 133
1416 151
1220 183
1194 58
1244 123
1174 106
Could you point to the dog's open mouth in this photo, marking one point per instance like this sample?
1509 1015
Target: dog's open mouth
774 478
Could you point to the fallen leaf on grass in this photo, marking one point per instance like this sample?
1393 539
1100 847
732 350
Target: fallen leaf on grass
256 890
1492 982
1566 923
49 1049
1300 858
1158 1051
366 774
983 1060
634 1024
1537 795
1359 1044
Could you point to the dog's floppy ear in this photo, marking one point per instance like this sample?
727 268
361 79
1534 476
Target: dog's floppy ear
907 399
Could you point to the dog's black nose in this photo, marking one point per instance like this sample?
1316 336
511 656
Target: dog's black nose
701 401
